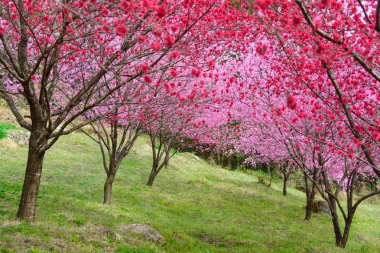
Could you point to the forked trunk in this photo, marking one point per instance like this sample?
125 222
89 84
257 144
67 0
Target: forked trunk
346 232
28 203
337 231
335 221
151 178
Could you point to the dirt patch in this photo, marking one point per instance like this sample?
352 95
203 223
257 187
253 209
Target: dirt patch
8 143
96 231
58 244
218 242
7 116
9 223
237 190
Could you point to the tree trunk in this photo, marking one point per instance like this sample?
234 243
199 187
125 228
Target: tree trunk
335 220
152 176
271 175
211 157
28 203
346 232
229 160
151 179
310 195
284 186
337 232
309 207
108 188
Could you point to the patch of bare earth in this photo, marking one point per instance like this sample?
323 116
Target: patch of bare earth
220 242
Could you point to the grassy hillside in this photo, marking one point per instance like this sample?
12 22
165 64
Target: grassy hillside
195 206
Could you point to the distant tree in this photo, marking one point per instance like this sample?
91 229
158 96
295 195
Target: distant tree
286 170
115 137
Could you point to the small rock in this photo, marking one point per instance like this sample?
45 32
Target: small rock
196 157
9 223
19 137
146 231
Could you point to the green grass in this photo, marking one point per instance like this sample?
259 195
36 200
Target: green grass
4 127
195 206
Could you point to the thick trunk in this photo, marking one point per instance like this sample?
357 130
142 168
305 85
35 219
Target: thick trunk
309 208
284 186
108 189
310 195
28 202
331 199
335 221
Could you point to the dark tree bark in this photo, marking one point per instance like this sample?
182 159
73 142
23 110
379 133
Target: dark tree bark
152 177
335 221
284 186
108 189
28 202
310 196
346 232
341 237
309 205
350 119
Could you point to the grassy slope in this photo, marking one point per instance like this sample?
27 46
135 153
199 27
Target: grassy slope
195 206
